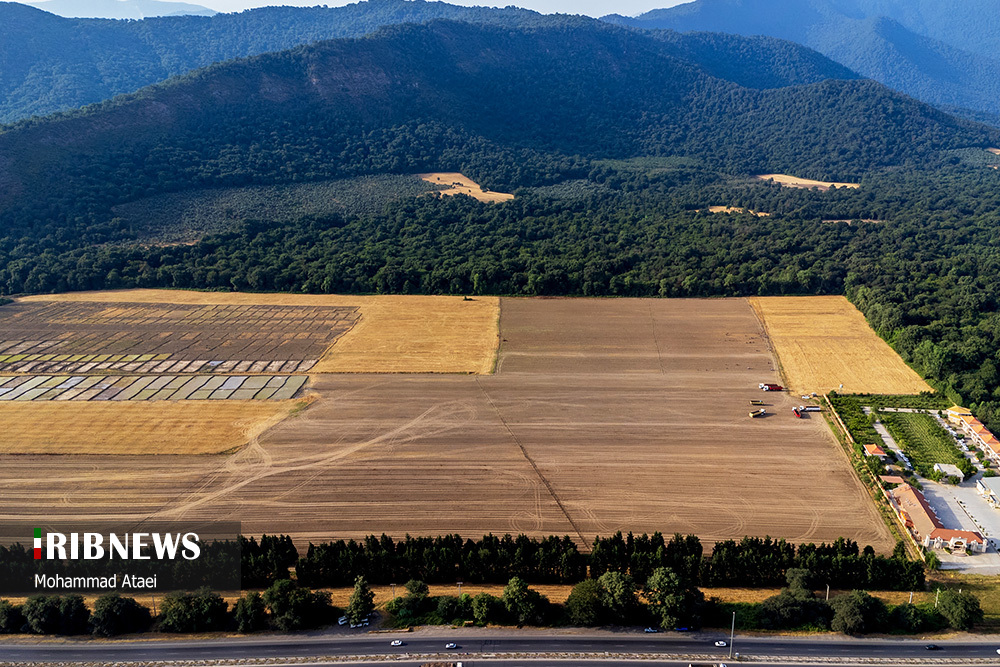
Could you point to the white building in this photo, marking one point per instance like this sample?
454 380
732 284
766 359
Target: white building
950 470
989 488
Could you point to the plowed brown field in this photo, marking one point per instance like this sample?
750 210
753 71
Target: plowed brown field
604 415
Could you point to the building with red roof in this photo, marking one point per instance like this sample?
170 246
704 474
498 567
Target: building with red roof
920 519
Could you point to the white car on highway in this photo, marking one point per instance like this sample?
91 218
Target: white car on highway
721 644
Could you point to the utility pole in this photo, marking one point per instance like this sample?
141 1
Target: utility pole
937 597
732 635
393 592
828 592
911 597
460 589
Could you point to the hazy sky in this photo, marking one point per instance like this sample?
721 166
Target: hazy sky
589 7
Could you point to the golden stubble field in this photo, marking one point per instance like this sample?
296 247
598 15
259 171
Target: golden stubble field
604 415
460 184
395 334
126 428
422 334
737 209
823 342
788 181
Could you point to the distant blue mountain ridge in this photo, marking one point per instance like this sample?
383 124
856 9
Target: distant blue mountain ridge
120 9
943 53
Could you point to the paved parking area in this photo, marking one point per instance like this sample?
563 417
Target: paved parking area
961 506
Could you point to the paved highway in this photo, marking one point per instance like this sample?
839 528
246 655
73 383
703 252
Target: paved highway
473 643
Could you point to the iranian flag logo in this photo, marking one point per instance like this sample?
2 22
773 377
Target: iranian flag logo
38 543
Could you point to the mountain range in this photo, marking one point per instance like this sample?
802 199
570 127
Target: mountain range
49 63
443 95
120 9
941 53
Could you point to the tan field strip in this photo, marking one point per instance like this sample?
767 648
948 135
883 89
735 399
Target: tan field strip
796 182
418 334
823 342
737 209
460 184
396 334
191 427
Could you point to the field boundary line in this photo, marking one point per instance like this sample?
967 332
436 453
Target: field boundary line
527 457
772 349
495 368
656 341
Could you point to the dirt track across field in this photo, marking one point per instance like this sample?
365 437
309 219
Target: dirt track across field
604 415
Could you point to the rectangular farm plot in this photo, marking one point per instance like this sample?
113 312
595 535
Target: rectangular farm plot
375 334
80 337
135 428
823 342
149 387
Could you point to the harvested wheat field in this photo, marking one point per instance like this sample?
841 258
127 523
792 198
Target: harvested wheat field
80 336
148 346
795 182
604 415
459 184
392 334
191 427
823 342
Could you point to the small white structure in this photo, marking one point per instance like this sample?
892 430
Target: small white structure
989 488
950 470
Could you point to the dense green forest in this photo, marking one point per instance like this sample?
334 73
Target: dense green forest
613 143
942 53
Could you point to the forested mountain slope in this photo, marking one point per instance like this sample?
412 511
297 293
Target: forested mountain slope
414 97
49 63
941 53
